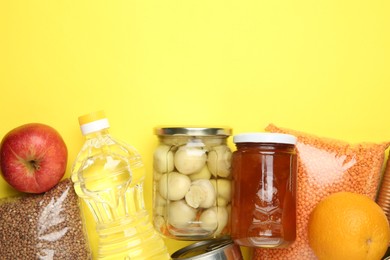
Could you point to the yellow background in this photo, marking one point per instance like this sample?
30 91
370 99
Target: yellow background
317 66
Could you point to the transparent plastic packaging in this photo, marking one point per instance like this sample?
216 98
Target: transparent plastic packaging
43 226
264 190
108 176
326 166
192 182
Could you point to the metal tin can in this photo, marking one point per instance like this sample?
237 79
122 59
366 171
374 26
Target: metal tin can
383 198
222 249
192 182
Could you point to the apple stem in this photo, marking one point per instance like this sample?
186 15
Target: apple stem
35 164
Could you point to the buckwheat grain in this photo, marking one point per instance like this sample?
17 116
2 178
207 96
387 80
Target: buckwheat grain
45 226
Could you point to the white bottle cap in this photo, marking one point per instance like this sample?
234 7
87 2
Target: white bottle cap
265 138
93 122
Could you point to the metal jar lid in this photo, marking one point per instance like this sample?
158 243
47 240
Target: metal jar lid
222 249
193 131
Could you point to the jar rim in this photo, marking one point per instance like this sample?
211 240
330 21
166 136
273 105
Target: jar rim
192 131
265 137
208 249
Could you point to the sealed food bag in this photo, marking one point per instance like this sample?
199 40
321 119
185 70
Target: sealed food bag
326 166
44 226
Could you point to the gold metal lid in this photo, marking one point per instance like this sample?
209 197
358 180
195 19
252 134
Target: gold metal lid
193 131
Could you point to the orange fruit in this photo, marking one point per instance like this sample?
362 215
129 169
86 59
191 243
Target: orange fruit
348 225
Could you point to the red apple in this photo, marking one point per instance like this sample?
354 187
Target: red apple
33 158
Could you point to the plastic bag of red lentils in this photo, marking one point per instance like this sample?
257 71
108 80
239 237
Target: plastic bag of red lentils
326 166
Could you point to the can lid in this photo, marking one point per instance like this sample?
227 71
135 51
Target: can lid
93 122
265 138
193 131
207 249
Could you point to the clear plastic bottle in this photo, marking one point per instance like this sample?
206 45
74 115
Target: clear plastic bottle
108 176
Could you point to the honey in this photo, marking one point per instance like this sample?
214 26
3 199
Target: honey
264 170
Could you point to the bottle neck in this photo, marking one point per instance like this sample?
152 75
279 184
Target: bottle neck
97 134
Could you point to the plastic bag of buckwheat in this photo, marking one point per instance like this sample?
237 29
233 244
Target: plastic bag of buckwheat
44 226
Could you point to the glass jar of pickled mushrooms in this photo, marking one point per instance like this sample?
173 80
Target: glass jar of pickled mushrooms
192 182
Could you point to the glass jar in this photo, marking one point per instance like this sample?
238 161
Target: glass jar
264 168
192 182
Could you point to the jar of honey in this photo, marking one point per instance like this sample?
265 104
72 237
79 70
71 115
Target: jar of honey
264 168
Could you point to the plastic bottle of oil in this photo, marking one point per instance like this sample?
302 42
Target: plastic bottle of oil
108 176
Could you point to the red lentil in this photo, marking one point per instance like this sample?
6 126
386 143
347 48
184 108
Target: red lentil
326 166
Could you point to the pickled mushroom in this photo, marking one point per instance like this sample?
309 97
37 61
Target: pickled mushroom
163 159
180 214
189 160
224 191
219 161
215 218
201 194
174 186
202 174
